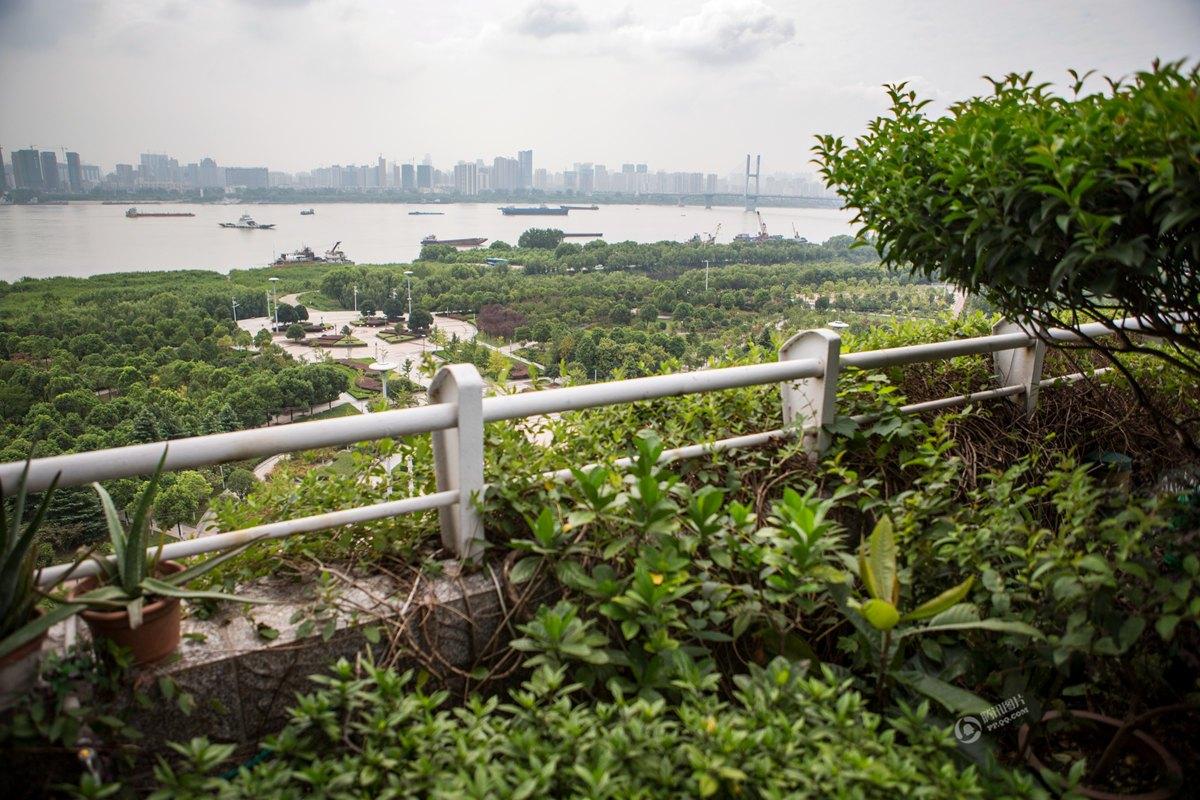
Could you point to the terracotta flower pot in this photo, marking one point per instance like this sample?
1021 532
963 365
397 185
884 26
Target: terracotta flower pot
153 640
19 669
1168 766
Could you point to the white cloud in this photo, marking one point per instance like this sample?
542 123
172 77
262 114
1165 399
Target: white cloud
545 18
726 31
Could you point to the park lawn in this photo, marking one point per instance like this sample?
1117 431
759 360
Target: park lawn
343 410
319 301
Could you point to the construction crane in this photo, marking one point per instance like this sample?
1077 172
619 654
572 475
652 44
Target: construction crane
712 237
762 228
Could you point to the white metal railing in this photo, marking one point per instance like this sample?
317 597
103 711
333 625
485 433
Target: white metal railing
807 371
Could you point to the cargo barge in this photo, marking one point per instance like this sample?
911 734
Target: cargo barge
471 242
133 213
534 211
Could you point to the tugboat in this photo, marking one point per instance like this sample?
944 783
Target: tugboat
306 256
475 242
246 223
133 213
307 212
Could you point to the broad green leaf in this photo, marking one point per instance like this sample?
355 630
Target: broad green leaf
954 699
943 601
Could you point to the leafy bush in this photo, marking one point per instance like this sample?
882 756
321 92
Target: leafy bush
371 733
1058 210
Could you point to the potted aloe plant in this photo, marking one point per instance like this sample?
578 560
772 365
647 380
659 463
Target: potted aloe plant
23 625
134 600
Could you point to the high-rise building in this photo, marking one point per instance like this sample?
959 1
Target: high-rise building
3 173
249 177
627 168
381 176
601 183
211 176
125 177
587 178
74 172
50 178
525 169
425 176
27 169
466 179
541 178
408 177
506 174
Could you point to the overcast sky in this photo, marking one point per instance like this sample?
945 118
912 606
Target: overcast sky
682 85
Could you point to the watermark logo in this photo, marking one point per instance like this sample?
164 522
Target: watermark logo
968 729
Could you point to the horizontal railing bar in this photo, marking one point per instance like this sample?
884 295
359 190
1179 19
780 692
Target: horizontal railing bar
140 459
936 351
692 450
574 398
274 530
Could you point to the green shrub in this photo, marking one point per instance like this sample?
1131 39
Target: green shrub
370 733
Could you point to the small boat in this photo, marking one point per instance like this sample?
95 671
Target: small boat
427 213
534 211
474 242
308 212
133 213
246 223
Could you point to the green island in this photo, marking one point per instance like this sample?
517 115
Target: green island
930 606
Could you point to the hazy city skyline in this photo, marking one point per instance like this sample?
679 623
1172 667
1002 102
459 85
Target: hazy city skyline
296 83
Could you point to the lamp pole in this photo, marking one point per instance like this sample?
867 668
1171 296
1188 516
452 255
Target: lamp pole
706 276
356 298
408 280
273 281
233 303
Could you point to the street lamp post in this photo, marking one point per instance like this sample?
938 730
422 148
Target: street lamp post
356 298
273 281
234 304
706 276
408 280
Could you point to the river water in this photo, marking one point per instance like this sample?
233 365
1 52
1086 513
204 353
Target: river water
83 239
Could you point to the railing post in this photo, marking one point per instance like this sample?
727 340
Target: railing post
1022 365
812 402
458 458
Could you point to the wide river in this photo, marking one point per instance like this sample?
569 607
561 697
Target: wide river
89 238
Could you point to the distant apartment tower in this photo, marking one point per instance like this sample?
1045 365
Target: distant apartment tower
408 177
249 177
27 169
424 176
466 179
381 176
3 173
525 169
74 172
211 176
506 174
541 179
125 176
50 177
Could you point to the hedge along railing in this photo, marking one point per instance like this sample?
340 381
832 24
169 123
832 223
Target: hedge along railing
808 368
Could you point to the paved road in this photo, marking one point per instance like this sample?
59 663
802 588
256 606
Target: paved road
374 346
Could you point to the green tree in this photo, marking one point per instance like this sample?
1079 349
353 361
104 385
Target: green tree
540 238
419 320
240 481
294 332
262 338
